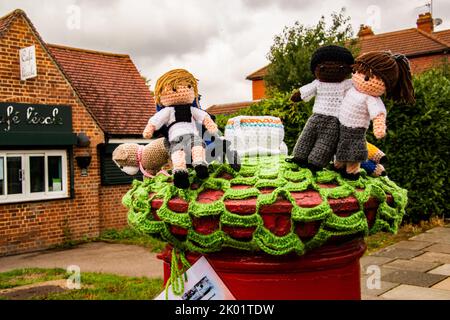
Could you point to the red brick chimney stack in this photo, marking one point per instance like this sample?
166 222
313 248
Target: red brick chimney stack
425 22
365 31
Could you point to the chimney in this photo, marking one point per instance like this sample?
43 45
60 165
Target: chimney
425 22
365 31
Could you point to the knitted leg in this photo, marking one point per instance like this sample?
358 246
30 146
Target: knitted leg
199 162
339 164
326 142
353 167
305 143
181 175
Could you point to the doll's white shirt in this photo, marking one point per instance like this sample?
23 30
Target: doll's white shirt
167 115
329 95
359 108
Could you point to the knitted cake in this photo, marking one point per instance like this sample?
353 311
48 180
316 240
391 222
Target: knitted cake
256 135
269 206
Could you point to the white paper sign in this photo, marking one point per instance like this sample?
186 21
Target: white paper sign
203 284
28 67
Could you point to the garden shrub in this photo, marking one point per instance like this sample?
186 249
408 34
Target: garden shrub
417 142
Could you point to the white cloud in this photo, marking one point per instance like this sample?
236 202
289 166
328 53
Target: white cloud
220 42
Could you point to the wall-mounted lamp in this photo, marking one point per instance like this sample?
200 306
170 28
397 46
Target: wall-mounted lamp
83 162
83 140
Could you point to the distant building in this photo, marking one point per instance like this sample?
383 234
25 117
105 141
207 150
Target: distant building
424 47
62 112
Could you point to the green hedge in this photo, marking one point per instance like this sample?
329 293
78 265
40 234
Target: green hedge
417 143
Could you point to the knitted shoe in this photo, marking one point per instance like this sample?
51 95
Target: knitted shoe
383 160
350 176
314 168
202 171
299 162
181 179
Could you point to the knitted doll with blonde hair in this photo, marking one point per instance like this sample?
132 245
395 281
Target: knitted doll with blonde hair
175 91
374 74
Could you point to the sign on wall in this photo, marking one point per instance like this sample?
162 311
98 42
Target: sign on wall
29 124
28 67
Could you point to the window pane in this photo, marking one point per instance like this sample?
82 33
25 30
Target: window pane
2 176
55 173
37 174
14 170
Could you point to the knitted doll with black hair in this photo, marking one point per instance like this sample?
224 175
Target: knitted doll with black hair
374 74
317 143
175 91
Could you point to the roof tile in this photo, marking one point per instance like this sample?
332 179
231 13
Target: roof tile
110 85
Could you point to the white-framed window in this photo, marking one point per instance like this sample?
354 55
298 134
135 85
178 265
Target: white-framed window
32 175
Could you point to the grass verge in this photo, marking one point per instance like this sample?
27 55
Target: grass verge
94 286
383 239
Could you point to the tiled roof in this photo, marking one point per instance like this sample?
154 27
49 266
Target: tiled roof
110 85
5 21
229 108
258 74
411 42
443 35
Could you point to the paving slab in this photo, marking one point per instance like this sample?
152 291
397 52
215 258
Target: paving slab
443 285
445 229
396 253
421 266
433 257
373 260
33 290
408 292
414 278
368 290
439 247
436 237
120 259
444 270
411 245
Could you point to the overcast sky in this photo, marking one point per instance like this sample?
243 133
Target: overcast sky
220 41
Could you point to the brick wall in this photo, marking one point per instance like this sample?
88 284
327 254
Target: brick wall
258 89
113 214
421 64
32 226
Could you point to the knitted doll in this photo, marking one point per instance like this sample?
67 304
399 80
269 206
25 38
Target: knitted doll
132 158
374 164
317 143
374 73
175 92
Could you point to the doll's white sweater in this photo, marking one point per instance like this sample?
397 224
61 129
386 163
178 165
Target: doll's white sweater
167 115
359 108
329 95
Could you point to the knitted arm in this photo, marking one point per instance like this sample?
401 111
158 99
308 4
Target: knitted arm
204 118
377 112
379 126
307 92
210 125
156 122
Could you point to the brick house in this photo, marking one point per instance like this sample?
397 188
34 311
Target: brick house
57 132
424 47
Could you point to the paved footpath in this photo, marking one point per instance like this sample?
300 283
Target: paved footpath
416 269
120 259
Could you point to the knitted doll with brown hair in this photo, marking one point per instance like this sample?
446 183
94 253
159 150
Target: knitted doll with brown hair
317 143
374 74
175 91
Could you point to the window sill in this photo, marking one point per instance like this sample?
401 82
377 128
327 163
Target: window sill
28 200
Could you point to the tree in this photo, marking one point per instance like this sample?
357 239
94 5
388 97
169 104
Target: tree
291 52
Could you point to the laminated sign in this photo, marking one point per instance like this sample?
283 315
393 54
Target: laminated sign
202 283
28 68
